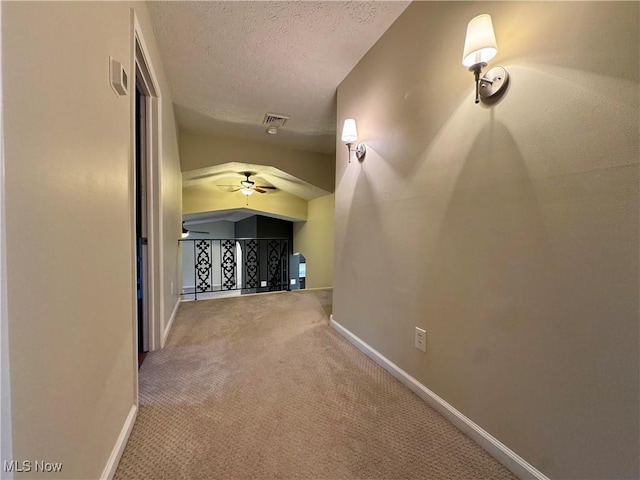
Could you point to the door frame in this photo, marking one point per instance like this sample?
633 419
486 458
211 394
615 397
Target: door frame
140 61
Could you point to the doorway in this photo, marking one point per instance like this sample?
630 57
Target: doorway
142 226
147 208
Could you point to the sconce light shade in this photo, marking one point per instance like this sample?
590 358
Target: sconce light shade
479 47
480 43
350 136
349 131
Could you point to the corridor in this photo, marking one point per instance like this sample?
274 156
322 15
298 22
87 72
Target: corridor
261 387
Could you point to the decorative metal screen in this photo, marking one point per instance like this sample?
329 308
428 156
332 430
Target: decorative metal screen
203 265
252 265
228 265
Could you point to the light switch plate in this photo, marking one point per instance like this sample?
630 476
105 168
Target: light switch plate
421 339
118 77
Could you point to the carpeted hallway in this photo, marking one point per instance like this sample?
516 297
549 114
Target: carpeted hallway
262 387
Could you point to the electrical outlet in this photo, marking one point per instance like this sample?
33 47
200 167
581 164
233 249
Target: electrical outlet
293 281
263 283
421 339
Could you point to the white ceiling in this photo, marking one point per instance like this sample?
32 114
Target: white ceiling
229 63
221 176
230 174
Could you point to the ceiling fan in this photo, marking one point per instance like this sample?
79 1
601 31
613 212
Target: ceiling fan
247 187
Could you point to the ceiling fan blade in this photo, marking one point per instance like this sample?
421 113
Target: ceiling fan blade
229 188
257 189
268 187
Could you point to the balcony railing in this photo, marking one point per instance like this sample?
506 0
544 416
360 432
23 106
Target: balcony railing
251 265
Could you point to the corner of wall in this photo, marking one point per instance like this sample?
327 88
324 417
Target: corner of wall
6 439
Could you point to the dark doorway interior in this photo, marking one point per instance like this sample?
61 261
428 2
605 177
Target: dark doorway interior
141 219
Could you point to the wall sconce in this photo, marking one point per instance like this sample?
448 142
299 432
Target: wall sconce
350 136
480 47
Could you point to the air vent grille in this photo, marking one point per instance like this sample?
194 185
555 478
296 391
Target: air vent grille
275 119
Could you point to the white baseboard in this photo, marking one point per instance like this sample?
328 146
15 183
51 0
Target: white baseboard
311 289
492 445
167 329
112 464
190 289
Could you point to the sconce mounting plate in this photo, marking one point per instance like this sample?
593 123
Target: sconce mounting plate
493 82
361 151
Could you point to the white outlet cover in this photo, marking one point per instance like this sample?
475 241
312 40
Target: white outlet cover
263 283
421 339
293 281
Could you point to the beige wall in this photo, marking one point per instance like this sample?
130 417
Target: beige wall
6 450
199 150
314 239
69 238
171 185
208 197
510 233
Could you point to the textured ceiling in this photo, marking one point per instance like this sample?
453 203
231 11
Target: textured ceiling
228 63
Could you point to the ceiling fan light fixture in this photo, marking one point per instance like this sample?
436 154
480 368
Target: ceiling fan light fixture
272 130
247 186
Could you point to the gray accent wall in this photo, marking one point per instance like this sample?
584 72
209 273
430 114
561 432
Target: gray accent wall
247 228
218 230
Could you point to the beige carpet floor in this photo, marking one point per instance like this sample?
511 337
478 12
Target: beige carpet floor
260 387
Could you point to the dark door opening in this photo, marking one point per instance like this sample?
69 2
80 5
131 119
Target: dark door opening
141 221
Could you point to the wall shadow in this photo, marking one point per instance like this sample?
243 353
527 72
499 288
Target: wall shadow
490 285
365 260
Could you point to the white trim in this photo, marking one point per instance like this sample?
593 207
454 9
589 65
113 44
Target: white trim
492 445
6 437
154 185
167 329
311 289
191 289
112 464
202 298
132 213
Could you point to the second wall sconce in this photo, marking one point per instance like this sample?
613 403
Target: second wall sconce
479 47
350 136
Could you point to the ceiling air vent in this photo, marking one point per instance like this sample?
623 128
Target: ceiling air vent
275 119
